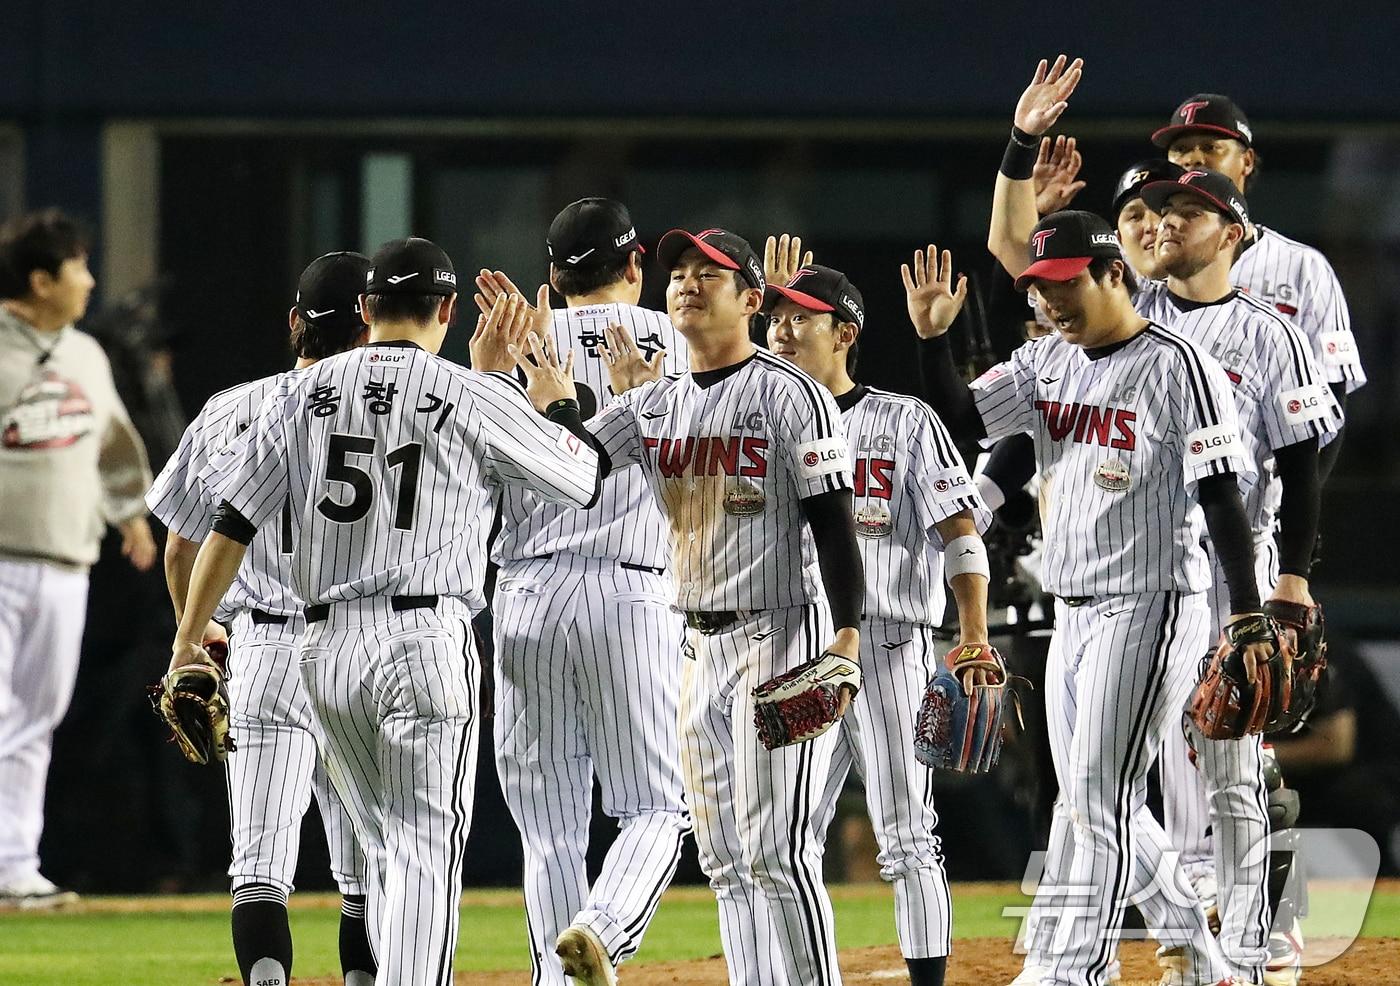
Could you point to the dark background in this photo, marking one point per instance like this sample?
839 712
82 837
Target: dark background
868 129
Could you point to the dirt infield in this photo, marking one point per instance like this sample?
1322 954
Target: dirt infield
976 962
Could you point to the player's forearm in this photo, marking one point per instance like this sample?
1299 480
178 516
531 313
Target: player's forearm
214 569
1231 538
1014 214
567 415
838 556
1327 458
1300 506
179 563
965 567
948 393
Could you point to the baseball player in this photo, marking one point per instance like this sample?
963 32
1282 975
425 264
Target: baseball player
1139 428
917 513
748 460
588 662
70 464
390 457
275 768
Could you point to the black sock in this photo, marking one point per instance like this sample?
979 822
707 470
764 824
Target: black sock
927 972
355 955
261 932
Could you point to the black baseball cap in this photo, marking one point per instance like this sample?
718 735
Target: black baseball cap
1215 189
411 266
1207 112
1064 243
820 289
590 232
1130 185
328 291
727 249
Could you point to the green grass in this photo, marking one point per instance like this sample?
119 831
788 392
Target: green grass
163 941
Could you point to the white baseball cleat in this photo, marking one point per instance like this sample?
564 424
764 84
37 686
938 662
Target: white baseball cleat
1030 975
1285 964
1178 969
584 957
34 893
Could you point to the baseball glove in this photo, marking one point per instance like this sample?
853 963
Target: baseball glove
1225 704
960 722
1309 659
803 703
193 701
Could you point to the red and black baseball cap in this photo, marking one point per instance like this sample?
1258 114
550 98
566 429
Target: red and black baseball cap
820 289
1213 188
328 291
1206 112
591 232
1131 183
1064 243
727 249
411 266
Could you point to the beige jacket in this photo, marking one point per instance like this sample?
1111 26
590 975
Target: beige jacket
70 460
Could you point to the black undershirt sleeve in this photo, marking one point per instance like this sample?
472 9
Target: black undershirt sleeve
233 525
1011 463
838 554
947 392
566 415
1300 508
1327 458
1231 538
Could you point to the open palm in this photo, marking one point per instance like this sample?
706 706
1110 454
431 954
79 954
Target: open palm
929 293
1048 95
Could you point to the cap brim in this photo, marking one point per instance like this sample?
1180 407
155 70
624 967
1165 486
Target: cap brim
677 241
1157 193
1052 269
1163 138
770 297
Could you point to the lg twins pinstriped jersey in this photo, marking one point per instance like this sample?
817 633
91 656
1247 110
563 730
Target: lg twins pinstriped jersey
1298 281
1127 431
730 454
392 457
181 501
908 477
1280 392
625 525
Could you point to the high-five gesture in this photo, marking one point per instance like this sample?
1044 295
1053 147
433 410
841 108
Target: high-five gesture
1048 95
490 285
505 323
929 293
627 365
782 256
1056 168
546 379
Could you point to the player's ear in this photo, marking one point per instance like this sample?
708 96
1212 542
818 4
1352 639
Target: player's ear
553 278
447 311
1249 160
364 308
753 301
633 271
292 318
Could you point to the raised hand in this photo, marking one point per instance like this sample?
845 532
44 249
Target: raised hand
507 322
782 256
928 291
1056 168
627 366
546 379
1048 95
490 285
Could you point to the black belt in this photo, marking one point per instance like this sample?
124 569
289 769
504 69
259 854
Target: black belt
262 617
622 564
711 621
1075 601
317 613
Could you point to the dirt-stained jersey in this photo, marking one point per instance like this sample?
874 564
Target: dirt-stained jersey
730 454
907 476
1126 431
626 525
392 457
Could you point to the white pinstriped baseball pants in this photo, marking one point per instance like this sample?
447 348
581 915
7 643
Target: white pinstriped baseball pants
587 680
395 694
755 810
275 769
876 736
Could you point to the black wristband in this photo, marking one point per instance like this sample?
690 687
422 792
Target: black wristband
1018 163
561 404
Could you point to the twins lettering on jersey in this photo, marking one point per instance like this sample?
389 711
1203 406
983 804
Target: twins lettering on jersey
734 455
1088 424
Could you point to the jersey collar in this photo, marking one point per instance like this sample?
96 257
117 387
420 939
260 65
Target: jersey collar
852 397
396 344
708 378
1187 305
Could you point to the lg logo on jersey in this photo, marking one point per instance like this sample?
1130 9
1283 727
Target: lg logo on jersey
748 420
816 458
1113 427
880 443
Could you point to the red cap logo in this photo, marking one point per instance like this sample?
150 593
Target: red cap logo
1038 239
801 273
708 232
1189 177
1187 111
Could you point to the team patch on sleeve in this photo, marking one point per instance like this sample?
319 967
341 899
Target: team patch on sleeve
949 484
1213 443
1338 348
1306 403
822 457
570 443
990 377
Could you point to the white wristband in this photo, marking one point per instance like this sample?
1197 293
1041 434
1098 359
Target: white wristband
966 555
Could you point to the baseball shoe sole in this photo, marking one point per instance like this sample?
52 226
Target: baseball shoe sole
584 957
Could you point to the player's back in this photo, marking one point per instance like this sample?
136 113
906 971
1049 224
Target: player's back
626 524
